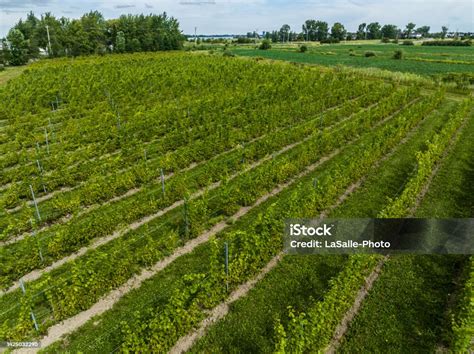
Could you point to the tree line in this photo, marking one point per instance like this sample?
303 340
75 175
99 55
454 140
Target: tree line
316 30
90 34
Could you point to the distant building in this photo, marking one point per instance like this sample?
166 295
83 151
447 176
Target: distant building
415 35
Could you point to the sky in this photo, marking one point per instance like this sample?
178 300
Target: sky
242 16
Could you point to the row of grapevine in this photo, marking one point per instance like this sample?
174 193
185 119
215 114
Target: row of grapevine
463 316
426 162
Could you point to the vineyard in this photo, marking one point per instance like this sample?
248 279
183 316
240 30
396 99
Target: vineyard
128 180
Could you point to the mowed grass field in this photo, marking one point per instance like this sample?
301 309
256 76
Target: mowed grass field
421 60
10 73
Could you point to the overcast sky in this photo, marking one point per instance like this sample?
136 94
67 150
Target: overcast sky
241 16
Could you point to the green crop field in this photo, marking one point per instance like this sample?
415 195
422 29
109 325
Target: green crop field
421 60
126 179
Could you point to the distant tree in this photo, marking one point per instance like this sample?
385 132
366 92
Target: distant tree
5 54
120 42
18 47
444 31
389 31
373 30
29 28
77 39
309 30
135 45
409 29
338 31
361 31
93 24
424 31
275 36
322 30
285 33
57 34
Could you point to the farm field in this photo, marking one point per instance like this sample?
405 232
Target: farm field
420 60
125 178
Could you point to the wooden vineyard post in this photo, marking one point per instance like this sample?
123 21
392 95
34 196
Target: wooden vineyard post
36 204
35 235
186 220
162 176
40 169
226 255
46 138
22 286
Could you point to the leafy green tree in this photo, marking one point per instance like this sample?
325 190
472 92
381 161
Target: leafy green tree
5 54
409 29
275 36
338 31
78 43
373 31
29 28
444 32
424 31
120 42
18 47
361 31
322 30
93 25
309 30
285 33
389 31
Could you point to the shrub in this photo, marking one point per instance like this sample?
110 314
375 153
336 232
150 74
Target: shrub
244 40
385 40
228 54
352 54
398 54
2 67
369 54
395 41
265 45
303 48
329 41
454 43
408 43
